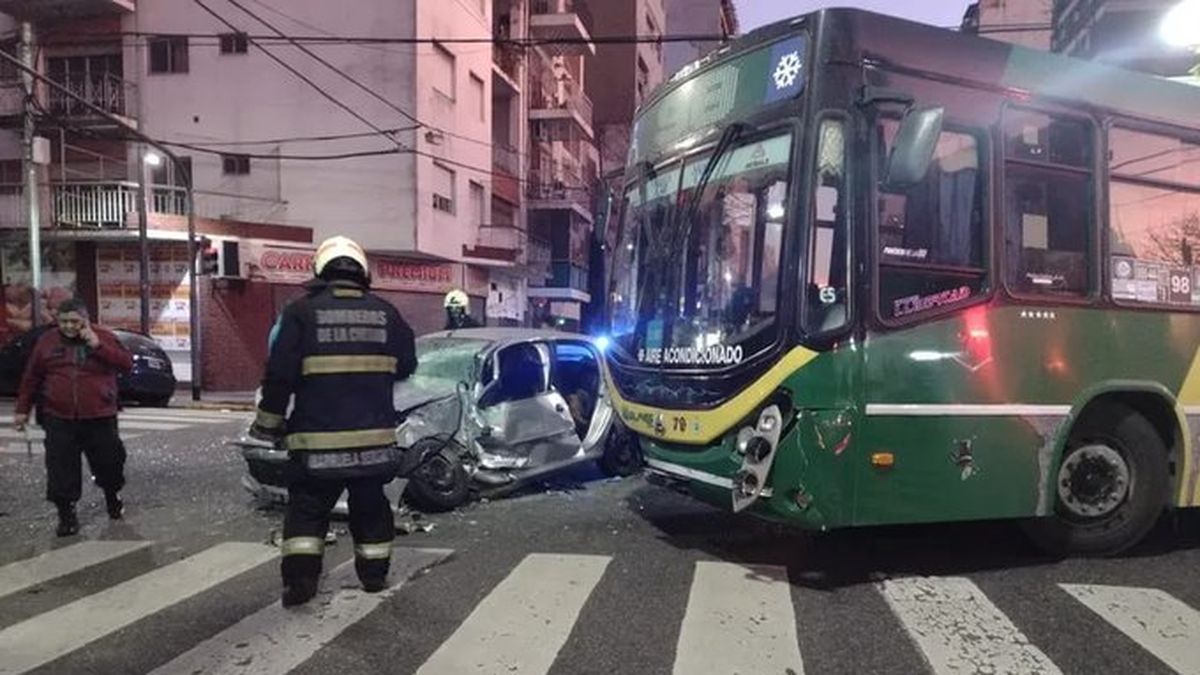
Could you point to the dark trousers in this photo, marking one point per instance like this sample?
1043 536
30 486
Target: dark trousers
66 440
310 501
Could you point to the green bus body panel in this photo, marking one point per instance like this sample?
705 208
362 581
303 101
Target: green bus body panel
1027 366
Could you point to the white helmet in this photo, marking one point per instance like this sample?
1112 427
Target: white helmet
338 247
457 298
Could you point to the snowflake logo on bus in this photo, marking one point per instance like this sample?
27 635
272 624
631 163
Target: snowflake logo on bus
787 71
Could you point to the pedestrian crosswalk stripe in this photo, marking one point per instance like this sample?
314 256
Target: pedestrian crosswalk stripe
46 637
739 619
276 640
183 419
523 623
1161 624
139 425
959 630
33 572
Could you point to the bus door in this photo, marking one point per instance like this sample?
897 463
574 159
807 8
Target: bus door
928 454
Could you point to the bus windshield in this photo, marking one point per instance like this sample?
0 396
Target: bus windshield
702 291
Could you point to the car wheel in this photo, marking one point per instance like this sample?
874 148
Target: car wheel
1110 488
439 484
622 454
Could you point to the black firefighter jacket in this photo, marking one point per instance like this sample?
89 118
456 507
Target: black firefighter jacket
339 350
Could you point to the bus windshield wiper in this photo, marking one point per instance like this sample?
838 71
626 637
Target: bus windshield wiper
687 216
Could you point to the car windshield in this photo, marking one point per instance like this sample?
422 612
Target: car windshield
699 289
443 362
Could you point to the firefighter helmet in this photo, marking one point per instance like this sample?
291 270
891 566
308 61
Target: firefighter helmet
456 298
338 247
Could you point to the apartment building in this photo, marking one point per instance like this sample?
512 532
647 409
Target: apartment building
402 162
1120 32
544 157
697 18
1022 22
622 60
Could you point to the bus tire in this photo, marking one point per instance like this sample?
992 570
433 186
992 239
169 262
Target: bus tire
1110 487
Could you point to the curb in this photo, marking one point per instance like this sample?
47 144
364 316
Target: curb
216 405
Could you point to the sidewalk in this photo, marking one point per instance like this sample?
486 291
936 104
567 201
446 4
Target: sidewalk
214 400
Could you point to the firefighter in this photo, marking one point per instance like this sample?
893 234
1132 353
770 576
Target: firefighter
338 350
458 307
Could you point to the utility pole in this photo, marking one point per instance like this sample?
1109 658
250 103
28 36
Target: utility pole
143 243
31 175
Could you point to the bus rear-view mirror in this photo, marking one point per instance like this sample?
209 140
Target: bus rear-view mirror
912 151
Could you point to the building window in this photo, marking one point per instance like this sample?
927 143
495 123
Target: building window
169 54
478 96
442 71
477 204
931 235
235 165
234 43
1154 218
1048 203
443 188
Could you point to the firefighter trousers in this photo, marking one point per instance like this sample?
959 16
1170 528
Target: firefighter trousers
66 441
310 503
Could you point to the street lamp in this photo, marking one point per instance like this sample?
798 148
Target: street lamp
153 159
1181 25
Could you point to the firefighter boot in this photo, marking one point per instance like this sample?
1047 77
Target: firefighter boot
68 522
299 591
116 507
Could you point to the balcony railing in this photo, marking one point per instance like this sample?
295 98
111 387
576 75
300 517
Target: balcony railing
509 58
104 205
107 92
556 190
537 260
507 159
565 274
552 94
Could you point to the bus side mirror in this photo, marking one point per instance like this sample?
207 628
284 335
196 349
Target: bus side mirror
912 152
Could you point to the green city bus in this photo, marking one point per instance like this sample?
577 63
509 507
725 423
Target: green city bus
874 272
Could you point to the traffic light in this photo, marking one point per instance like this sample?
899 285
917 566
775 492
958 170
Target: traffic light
209 259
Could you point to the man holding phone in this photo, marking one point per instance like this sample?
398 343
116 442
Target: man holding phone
72 375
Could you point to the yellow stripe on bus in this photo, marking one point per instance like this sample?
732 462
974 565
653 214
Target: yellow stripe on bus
699 427
1189 393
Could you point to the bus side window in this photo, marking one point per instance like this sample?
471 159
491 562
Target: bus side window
1048 203
827 307
931 235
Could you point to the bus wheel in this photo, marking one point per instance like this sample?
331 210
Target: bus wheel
1110 486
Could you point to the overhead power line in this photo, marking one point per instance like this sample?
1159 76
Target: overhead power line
369 40
330 97
324 62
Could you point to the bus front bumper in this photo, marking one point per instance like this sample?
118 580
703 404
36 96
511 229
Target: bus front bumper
708 474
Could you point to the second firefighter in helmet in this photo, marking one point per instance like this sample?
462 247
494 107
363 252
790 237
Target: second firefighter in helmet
337 352
458 311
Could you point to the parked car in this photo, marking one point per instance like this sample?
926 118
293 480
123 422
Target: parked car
487 411
151 382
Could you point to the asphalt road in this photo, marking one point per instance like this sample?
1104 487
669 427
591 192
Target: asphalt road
584 576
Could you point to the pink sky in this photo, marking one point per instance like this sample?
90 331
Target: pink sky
755 13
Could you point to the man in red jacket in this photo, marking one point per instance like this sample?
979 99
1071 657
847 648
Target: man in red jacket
72 374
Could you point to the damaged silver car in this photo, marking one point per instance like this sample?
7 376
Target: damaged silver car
489 410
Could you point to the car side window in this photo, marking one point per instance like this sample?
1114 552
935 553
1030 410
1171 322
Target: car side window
522 374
